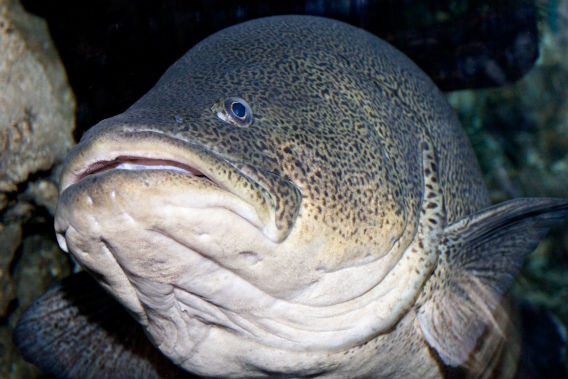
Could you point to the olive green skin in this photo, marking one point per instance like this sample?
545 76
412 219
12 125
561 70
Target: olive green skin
339 123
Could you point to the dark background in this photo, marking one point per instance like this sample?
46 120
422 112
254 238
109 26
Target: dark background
115 50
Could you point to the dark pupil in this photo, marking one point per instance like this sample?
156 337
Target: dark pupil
239 110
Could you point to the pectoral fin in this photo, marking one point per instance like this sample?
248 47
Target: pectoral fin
479 257
77 330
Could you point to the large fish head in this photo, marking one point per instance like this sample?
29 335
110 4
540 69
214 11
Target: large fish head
256 191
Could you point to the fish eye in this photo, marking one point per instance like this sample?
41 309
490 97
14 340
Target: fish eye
235 111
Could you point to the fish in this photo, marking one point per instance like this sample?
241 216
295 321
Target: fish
293 198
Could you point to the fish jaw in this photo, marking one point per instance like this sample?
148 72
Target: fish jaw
185 290
155 151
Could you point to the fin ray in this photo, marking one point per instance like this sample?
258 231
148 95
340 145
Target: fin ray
479 256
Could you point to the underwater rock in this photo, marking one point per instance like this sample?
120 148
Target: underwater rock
36 103
37 110
10 237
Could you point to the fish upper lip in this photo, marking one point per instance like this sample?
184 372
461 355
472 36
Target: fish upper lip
89 158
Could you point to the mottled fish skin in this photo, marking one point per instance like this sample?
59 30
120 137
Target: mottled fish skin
338 111
341 230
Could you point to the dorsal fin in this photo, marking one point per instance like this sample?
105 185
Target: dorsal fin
479 256
77 330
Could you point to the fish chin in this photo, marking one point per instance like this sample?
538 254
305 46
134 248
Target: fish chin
112 223
197 275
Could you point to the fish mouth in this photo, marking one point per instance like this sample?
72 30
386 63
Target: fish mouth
149 150
126 162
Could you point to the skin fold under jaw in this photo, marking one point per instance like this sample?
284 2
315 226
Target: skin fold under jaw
294 197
